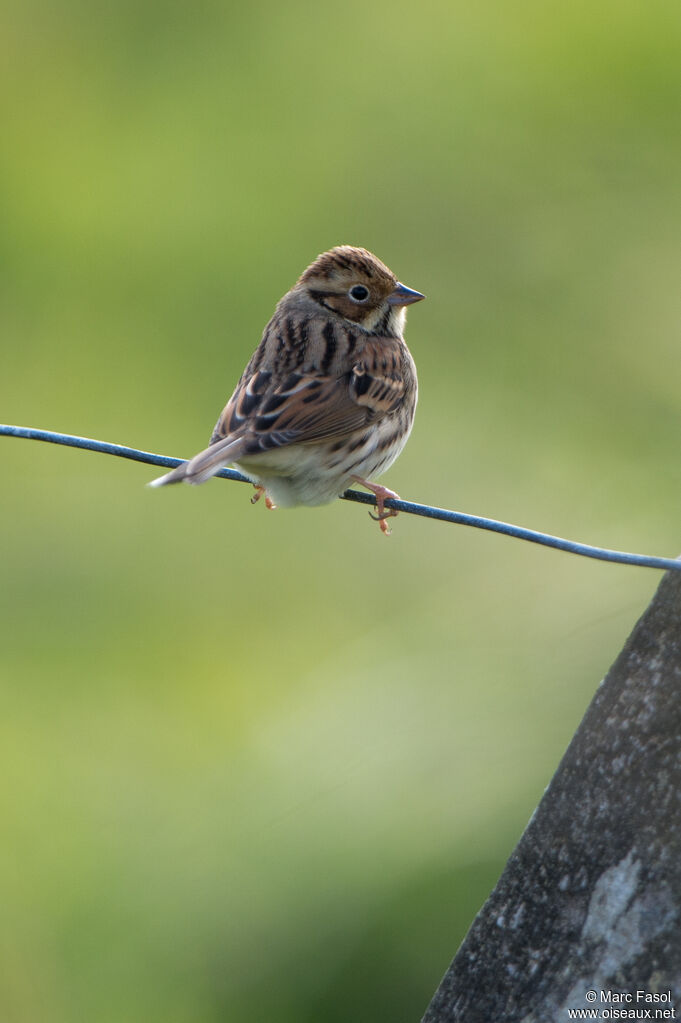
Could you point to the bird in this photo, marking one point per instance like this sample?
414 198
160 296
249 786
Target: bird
329 395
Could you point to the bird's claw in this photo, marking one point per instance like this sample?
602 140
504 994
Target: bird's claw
381 519
382 494
389 513
259 491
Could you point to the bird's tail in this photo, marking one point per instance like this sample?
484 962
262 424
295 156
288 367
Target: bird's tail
204 465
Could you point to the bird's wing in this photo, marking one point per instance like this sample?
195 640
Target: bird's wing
309 406
266 412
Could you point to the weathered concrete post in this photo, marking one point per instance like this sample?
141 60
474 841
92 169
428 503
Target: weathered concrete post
587 913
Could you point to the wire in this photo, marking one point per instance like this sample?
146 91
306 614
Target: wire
426 510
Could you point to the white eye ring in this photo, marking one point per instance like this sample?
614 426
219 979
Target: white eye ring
358 293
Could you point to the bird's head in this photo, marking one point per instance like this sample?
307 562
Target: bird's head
354 284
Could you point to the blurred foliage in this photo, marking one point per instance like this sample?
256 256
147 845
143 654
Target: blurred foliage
268 766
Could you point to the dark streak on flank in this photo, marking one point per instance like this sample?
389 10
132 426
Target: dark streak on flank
387 442
352 339
330 338
356 444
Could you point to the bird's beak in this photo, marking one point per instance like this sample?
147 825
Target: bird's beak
402 295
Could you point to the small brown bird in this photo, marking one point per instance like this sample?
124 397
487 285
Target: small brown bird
329 395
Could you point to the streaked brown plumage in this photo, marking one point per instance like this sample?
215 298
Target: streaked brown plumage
329 394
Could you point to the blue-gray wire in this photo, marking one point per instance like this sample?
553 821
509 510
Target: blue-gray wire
443 514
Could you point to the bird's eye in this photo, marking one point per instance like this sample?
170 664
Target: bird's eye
359 293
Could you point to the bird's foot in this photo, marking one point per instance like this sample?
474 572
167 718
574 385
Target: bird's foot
259 491
382 494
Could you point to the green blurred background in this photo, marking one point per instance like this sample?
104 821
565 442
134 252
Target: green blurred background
268 766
